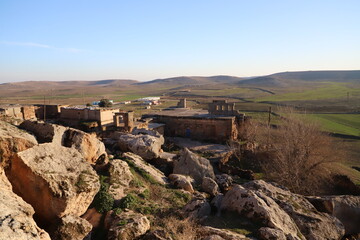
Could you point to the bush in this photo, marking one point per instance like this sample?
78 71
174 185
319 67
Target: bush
129 201
105 103
103 201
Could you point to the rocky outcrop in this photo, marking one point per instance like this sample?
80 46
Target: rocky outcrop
44 132
16 220
345 208
58 181
139 163
128 225
311 223
72 227
210 186
146 146
181 181
120 178
91 148
13 140
257 206
193 165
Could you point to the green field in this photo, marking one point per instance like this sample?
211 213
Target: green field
330 91
348 124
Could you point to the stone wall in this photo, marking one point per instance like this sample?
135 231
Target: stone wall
102 116
207 128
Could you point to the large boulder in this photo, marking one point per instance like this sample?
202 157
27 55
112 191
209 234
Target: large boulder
145 167
311 223
120 178
181 181
210 186
260 208
225 234
90 147
16 220
13 140
72 227
194 166
146 146
58 181
44 132
346 208
128 225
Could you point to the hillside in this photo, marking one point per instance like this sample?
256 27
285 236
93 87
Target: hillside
290 79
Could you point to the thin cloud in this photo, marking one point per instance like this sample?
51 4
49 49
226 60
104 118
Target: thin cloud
38 45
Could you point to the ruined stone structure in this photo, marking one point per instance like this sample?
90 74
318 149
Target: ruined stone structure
182 103
50 111
223 108
104 117
19 112
124 120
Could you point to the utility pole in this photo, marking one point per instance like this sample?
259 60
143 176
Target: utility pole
44 109
269 117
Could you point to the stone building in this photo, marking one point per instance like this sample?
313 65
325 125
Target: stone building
50 111
219 124
72 115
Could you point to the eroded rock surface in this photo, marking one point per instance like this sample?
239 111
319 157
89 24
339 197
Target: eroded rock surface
91 148
120 178
138 162
181 181
16 220
312 224
257 206
146 146
55 180
210 186
193 165
72 227
44 132
13 140
345 208
128 226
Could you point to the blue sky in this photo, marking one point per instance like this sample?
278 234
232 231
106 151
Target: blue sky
149 39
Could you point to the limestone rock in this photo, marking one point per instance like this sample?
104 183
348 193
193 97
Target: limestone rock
216 203
120 178
312 224
223 233
346 208
224 181
44 132
13 140
210 186
72 227
91 148
193 165
267 233
181 181
156 235
257 206
128 225
146 146
214 237
156 174
16 220
197 208
93 217
58 180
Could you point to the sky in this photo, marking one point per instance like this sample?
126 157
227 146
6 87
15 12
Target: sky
149 39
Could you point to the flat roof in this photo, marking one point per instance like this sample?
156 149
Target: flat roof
186 112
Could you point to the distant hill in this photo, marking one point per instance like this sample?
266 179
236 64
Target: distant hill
193 80
287 79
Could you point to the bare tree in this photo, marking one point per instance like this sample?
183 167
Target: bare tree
298 154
